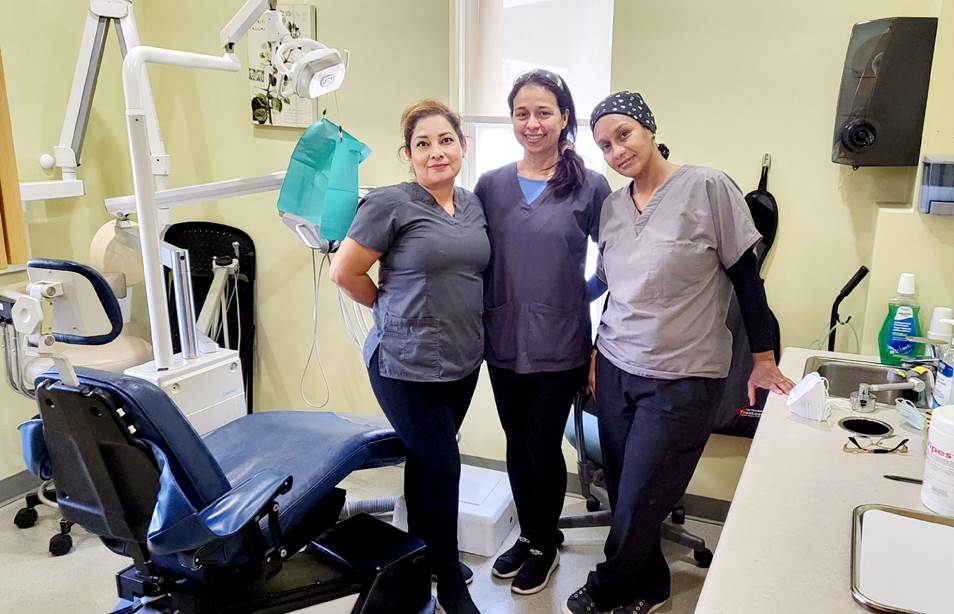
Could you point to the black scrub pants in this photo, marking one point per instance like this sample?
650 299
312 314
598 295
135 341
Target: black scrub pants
427 416
652 434
533 409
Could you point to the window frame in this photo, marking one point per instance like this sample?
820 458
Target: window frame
468 172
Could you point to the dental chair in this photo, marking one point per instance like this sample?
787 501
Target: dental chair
244 519
116 353
582 431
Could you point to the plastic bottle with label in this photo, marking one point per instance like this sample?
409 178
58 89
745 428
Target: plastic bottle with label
937 491
944 382
901 322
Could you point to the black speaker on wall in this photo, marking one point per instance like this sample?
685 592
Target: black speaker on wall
883 93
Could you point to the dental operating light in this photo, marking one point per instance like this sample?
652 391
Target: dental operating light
306 65
308 68
318 71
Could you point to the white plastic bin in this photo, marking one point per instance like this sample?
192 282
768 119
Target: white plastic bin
487 513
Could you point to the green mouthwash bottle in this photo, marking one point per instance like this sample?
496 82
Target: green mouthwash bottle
901 323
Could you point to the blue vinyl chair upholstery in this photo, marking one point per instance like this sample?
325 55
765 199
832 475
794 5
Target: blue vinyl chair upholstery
212 488
591 436
131 469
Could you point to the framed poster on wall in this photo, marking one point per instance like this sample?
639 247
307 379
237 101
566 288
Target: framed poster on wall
267 106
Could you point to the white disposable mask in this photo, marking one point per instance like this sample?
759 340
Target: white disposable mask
910 413
809 398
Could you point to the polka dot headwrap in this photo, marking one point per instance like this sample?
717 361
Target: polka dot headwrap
625 103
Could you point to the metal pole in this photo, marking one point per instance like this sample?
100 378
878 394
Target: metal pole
185 311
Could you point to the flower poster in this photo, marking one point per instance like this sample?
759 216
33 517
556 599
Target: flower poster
268 106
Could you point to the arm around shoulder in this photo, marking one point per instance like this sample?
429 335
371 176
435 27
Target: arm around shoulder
601 191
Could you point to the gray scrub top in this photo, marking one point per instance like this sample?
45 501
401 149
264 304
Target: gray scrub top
665 268
428 314
536 315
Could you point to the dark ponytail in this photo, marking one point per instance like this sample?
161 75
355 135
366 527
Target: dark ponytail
570 171
663 150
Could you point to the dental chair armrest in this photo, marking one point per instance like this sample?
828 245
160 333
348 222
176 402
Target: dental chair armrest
248 502
36 457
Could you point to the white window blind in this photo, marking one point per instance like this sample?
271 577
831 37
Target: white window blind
498 40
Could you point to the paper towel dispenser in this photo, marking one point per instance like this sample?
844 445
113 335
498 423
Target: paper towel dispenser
937 185
884 87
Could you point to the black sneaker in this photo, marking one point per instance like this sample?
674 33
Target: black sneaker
455 599
465 571
581 602
642 606
509 563
535 574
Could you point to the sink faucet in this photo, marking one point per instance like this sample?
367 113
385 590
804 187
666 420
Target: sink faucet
920 375
934 350
864 399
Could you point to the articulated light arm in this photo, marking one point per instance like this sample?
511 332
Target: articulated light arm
308 68
134 78
318 71
243 21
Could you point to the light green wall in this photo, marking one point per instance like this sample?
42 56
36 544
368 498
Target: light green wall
39 41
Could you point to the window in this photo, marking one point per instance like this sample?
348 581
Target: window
498 40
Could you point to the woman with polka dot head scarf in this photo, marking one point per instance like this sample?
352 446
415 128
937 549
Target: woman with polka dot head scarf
674 244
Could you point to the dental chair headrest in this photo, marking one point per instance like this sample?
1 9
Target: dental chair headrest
76 319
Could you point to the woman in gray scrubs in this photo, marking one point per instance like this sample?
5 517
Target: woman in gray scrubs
674 243
541 212
424 352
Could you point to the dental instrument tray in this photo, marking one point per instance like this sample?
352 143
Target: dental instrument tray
898 561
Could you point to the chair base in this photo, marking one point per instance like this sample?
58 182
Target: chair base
360 566
61 543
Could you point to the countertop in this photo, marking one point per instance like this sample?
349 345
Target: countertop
786 543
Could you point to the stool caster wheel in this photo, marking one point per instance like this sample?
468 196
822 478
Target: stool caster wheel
592 504
60 544
679 515
558 538
703 558
25 517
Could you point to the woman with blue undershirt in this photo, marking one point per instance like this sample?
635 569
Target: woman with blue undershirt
541 212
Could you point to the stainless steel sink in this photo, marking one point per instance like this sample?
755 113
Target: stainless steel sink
844 376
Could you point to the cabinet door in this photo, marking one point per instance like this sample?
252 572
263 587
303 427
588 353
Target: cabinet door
13 239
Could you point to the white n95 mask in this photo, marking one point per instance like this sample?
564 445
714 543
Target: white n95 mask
809 398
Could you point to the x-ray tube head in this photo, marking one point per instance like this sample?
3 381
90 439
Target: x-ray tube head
315 71
326 71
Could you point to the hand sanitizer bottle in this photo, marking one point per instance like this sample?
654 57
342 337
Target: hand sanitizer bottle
944 382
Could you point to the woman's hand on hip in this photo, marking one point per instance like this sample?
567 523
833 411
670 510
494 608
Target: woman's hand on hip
765 375
349 271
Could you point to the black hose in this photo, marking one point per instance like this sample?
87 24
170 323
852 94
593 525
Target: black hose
860 274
